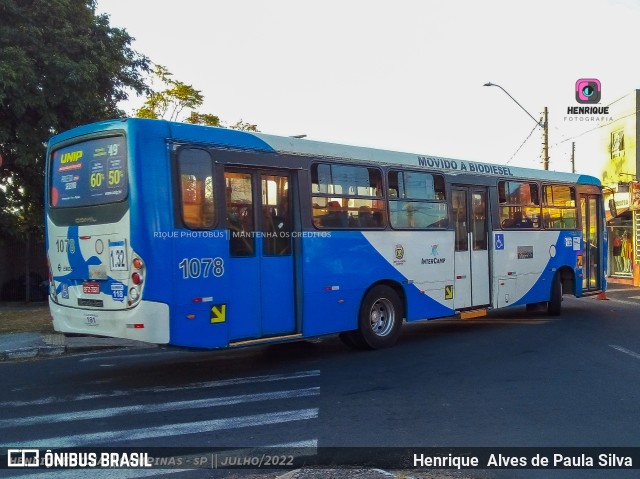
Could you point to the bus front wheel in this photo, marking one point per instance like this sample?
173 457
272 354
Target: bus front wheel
380 319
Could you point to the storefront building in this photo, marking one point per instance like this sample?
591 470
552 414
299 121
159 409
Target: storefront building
618 163
620 220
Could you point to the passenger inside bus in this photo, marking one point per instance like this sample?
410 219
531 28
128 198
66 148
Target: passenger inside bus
521 221
365 217
335 217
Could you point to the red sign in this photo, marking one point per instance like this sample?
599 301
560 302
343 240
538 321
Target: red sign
90 287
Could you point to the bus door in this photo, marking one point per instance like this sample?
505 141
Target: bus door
471 259
258 210
591 237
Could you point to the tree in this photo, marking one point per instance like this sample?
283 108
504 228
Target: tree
243 125
62 66
170 102
174 97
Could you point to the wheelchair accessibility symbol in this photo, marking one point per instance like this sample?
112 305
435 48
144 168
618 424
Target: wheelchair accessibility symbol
499 241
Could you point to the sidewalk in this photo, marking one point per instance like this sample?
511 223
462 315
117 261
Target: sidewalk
26 332
616 283
30 345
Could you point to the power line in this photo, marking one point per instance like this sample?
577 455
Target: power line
520 147
595 128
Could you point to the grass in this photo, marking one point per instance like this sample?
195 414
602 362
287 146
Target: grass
21 318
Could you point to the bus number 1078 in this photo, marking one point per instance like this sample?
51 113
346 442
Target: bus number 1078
201 267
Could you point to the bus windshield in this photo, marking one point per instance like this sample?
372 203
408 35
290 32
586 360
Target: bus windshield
89 173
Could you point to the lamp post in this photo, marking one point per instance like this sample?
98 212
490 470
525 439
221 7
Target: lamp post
544 124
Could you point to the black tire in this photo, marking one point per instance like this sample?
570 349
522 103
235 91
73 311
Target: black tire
349 339
554 306
537 307
380 319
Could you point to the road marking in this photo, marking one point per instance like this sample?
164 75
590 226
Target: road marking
164 389
155 408
622 301
633 297
625 351
303 443
179 429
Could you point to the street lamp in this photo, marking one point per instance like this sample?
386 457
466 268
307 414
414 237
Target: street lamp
544 124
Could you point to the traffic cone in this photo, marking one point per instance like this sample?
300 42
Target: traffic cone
602 296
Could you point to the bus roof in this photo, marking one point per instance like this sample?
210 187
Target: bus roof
296 146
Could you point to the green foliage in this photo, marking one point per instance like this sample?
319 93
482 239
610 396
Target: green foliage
171 102
61 66
203 119
243 125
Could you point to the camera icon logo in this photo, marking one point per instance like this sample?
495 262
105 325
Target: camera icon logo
588 90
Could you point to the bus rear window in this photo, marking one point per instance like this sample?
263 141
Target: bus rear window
90 173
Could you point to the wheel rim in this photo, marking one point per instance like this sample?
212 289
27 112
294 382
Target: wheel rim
382 317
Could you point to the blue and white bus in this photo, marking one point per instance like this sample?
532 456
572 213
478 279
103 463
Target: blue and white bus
205 237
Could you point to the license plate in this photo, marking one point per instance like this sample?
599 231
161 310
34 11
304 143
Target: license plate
89 287
117 256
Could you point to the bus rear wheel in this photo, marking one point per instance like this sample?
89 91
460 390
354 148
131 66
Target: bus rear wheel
554 306
380 319
351 339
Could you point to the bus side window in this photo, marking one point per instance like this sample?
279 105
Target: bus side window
195 169
239 206
559 206
347 197
519 205
417 200
276 215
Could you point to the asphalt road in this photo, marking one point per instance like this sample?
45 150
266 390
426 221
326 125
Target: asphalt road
514 379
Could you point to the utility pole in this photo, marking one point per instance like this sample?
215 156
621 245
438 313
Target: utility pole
545 138
544 124
573 157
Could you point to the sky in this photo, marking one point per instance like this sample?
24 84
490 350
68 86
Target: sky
403 75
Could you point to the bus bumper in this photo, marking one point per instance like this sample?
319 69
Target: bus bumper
148 322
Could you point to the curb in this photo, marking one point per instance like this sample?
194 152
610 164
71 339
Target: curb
32 352
54 345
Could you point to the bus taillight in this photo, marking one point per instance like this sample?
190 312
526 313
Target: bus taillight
137 278
133 294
